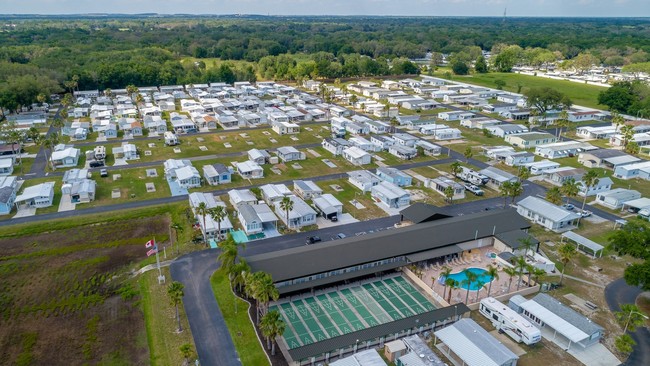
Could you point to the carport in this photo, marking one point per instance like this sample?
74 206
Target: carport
583 243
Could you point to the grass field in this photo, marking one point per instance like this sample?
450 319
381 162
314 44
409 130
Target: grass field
350 193
160 319
580 94
64 299
239 324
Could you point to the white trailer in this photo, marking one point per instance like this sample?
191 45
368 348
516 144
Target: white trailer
509 321
471 176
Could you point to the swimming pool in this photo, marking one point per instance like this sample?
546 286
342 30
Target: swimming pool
461 276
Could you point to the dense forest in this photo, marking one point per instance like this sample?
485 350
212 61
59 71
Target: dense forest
114 51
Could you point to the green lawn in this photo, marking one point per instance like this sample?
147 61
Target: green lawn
350 193
580 94
162 337
132 186
239 324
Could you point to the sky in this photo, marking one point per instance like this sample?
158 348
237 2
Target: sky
565 8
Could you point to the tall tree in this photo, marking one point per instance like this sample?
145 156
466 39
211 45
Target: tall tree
511 272
449 194
567 251
175 291
471 278
493 273
546 99
451 284
554 195
521 269
202 212
178 228
589 180
456 168
516 190
287 205
570 188
218 214
468 154
229 254
272 326
480 66
505 190
630 317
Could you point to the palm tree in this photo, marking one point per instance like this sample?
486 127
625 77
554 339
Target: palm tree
452 284
272 326
567 251
562 122
218 214
238 274
471 278
446 271
570 188
456 168
493 273
523 173
505 190
538 274
178 228
617 120
554 195
449 194
479 286
468 154
527 244
521 267
516 189
263 290
48 143
202 211
58 123
229 254
589 180
630 317
287 205
176 293
108 92
511 272
353 99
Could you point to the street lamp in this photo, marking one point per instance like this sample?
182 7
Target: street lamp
630 316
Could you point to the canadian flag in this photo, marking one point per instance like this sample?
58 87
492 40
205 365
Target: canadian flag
149 244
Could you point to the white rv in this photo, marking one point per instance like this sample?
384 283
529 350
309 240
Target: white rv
509 321
171 139
471 176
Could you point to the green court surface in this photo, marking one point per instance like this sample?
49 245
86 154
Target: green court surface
317 318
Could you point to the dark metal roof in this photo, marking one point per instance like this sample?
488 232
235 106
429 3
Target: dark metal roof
434 253
377 331
513 238
342 277
324 257
422 212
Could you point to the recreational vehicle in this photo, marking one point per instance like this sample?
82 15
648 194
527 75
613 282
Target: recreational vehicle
471 176
509 321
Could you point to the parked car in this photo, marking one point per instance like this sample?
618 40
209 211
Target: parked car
585 213
96 163
474 189
103 173
568 206
341 236
312 239
334 219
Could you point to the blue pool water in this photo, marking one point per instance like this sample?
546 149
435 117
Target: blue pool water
460 277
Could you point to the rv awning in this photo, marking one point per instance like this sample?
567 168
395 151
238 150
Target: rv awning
555 322
582 241
433 253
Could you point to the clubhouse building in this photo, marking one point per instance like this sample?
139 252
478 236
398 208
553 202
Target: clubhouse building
341 295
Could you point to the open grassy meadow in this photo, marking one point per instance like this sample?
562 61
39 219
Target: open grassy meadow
581 94
64 299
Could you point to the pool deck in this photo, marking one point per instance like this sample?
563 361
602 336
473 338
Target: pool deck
477 260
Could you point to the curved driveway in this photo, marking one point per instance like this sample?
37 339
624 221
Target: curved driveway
618 293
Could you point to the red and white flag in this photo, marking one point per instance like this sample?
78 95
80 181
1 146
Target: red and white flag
152 251
149 244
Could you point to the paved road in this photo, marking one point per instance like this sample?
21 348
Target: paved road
618 293
214 345
213 341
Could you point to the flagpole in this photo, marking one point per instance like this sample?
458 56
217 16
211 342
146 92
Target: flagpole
160 276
